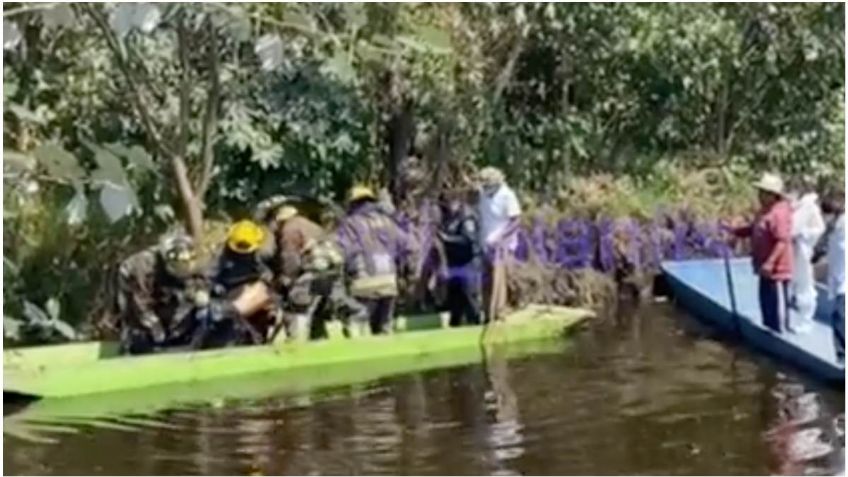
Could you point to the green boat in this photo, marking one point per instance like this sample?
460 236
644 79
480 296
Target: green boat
90 368
43 419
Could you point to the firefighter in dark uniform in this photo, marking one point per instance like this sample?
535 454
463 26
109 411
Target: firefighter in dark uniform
242 275
310 273
157 293
373 245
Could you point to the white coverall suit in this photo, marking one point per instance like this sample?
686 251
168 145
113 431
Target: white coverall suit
807 227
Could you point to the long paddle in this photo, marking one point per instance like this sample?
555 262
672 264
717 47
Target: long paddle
731 290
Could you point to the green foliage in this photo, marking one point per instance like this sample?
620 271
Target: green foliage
615 109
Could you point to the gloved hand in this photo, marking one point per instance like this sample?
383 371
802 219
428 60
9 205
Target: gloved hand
218 290
152 323
320 264
201 298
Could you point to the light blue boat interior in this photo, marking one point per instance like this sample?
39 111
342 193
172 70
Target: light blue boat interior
701 287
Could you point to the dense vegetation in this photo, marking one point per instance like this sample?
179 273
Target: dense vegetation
121 119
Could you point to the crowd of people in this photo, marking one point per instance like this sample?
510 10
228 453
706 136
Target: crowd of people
790 233
281 274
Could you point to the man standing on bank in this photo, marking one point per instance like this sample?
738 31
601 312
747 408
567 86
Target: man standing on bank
500 215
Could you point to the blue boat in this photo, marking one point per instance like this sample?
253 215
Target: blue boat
701 287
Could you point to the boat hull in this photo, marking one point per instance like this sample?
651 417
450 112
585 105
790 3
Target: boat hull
701 287
91 368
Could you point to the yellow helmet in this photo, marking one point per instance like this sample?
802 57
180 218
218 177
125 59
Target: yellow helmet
360 192
285 213
245 236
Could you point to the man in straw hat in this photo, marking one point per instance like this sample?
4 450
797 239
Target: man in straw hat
771 249
499 213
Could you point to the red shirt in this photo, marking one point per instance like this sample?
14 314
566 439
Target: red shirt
772 225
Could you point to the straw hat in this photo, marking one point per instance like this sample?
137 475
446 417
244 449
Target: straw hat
770 183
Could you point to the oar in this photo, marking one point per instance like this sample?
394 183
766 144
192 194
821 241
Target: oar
731 290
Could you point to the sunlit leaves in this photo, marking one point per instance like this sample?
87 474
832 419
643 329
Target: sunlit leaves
18 161
355 15
136 155
339 66
128 16
116 196
47 322
11 35
25 114
117 200
77 208
269 49
12 327
426 38
59 16
59 162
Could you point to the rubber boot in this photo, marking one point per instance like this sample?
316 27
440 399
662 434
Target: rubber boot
335 330
299 328
357 326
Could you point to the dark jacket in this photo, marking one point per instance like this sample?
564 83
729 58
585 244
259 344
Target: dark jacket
150 297
234 270
373 245
459 234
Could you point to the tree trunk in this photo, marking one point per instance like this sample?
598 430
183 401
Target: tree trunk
191 206
400 131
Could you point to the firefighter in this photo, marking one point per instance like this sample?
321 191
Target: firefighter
243 278
373 245
310 271
157 290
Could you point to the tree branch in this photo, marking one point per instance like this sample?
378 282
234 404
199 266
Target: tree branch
182 53
178 160
505 75
210 119
35 8
114 44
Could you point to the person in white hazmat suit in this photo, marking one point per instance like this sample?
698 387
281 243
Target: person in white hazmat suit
807 227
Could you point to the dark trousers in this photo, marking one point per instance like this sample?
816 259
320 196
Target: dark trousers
838 323
380 314
774 305
463 300
334 299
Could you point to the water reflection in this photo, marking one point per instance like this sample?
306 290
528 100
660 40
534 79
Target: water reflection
803 435
644 395
505 433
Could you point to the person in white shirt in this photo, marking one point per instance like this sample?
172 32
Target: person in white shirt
500 214
807 227
834 206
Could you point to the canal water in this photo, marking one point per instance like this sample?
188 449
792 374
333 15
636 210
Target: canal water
646 392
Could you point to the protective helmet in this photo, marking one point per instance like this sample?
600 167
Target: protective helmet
245 236
176 247
361 192
285 213
177 250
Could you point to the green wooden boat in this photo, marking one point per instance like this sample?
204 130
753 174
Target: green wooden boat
41 420
77 369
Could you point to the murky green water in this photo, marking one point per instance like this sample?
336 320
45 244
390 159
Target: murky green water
647 393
